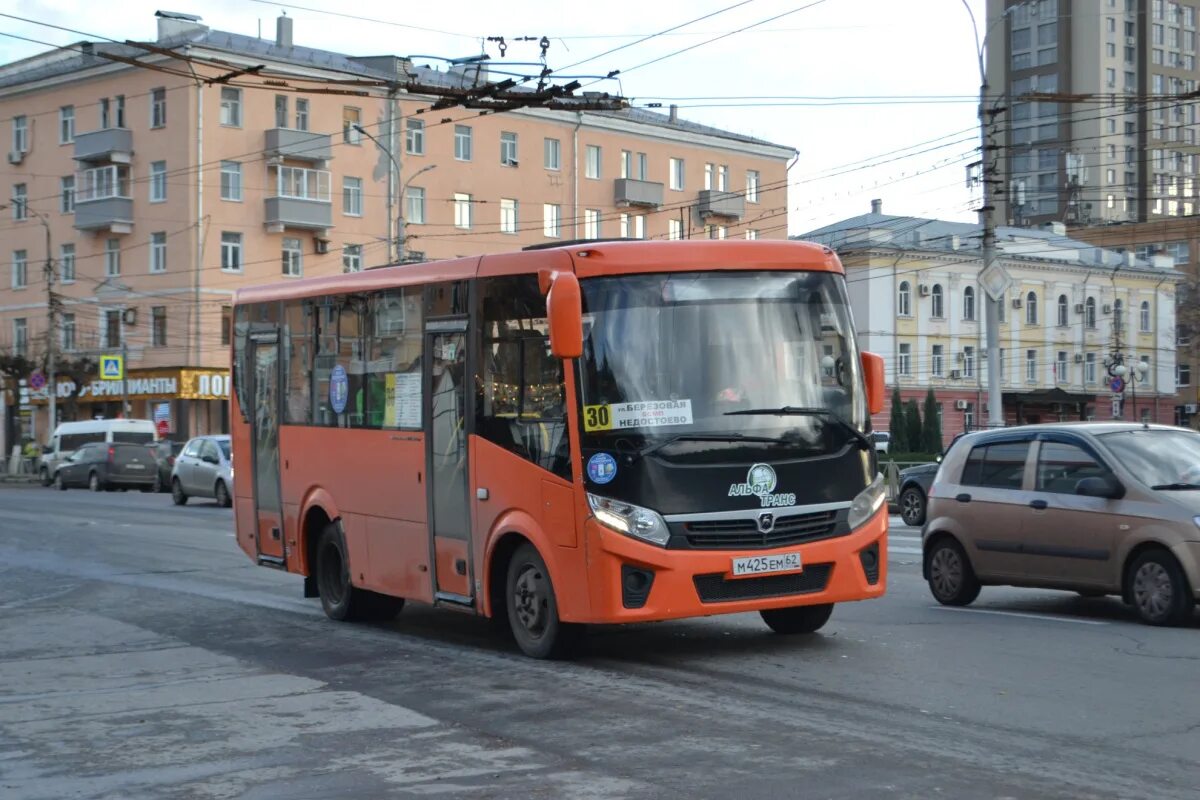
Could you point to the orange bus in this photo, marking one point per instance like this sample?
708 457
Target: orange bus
596 432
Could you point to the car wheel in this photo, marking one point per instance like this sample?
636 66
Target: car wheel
951 578
799 619
44 475
58 482
94 483
1160 591
912 506
177 495
533 608
340 599
222 495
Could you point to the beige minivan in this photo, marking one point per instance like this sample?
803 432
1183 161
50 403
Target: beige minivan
1097 508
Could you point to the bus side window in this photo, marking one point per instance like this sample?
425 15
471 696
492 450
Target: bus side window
391 391
297 343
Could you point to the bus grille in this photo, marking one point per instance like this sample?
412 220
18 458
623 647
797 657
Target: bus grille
743 534
715 588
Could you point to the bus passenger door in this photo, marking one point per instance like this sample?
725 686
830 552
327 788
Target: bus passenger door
264 389
446 377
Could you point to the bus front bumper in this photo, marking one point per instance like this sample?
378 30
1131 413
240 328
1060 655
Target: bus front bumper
632 581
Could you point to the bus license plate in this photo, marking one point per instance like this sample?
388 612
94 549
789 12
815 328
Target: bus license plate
758 565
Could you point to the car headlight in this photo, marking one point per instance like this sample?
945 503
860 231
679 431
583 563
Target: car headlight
640 523
867 503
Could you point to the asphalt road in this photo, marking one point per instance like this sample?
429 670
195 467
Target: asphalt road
143 656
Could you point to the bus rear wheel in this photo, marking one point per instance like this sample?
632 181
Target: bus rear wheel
340 599
533 609
800 619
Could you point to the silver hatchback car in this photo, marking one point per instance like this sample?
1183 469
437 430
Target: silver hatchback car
204 469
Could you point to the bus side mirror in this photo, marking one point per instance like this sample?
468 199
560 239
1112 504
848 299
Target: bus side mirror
872 365
564 310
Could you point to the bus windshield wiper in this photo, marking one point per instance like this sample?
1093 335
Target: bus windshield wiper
1176 487
787 411
698 437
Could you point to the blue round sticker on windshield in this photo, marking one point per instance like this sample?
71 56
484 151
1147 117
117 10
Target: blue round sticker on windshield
339 389
602 468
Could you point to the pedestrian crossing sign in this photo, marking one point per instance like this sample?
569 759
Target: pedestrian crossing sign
112 368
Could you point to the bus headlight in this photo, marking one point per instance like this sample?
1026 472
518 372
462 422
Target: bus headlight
640 523
867 503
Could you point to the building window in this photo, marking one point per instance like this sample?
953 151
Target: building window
1183 337
158 326
969 304
20 202
414 137
158 181
1089 368
1145 317
677 167
1089 313
591 223
158 252
67 326
158 108
462 210
937 363
281 111
551 219
66 263
752 186
716 232
112 258
708 176
462 142
20 134
639 227
552 153
293 257
1183 374
936 302
674 229
104 113
66 125
968 362
623 226
301 114
303 184
1060 367
969 417
120 107
1031 310
112 328
508 215
414 199
352 197
20 337
508 149
626 164
904 360
352 258
751 233
66 194
1063 307
592 168
20 269
231 181
723 178
351 122
226 325
231 107
904 299
231 251
1031 366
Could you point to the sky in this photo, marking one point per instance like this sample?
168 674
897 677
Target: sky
878 96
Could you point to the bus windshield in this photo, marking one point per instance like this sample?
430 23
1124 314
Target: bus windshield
681 354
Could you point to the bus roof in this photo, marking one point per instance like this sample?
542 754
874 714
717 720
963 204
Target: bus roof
587 259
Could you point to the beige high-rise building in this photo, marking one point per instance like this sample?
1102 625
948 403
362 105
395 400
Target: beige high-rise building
222 160
1098 109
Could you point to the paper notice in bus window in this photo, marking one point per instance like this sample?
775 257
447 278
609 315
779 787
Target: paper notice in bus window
647 414
406 402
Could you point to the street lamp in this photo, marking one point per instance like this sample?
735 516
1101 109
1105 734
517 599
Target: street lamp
401 223
1114 364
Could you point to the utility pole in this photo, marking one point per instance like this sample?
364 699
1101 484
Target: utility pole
124 378
51 331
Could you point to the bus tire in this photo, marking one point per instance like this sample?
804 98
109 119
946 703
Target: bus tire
340 599
533 609
798 619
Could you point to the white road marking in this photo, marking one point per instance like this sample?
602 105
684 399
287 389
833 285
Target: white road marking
1022 615
904 551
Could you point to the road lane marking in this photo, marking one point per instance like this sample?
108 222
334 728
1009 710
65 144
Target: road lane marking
904 551
1022 615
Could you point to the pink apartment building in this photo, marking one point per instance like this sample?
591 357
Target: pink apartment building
222 160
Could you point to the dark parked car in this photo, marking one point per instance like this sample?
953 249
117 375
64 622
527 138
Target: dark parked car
913 494
105 467
165 452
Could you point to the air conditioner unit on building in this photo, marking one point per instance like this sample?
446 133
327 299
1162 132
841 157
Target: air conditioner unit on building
960 405
1191 408
955 374
923 290
320 245
15 156
1079 308
129 316
1016 302
1107 308
1079 358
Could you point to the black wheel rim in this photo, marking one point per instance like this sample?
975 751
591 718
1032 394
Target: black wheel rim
945 572
1153 591
333 574
910 507
531 600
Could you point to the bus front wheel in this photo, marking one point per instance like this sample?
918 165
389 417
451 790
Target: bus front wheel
533 609
801 619
340 599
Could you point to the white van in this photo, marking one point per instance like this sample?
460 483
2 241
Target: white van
70 436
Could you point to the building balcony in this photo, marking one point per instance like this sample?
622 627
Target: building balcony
297 212
114 145
111 214
712 203
630 192
299 145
